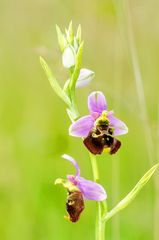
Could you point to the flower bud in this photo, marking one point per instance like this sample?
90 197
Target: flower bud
68 57
85 77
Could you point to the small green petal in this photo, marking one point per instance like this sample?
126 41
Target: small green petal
66 184
78 35
70 36
61 39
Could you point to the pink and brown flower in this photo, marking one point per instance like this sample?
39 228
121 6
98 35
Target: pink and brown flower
100 128
79 189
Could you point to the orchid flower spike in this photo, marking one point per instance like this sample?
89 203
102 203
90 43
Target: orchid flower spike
100 127
79 189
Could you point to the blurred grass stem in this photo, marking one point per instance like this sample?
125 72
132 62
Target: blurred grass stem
115 196
156 206
117 76
139 84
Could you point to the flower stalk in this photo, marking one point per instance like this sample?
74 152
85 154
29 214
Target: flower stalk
102 206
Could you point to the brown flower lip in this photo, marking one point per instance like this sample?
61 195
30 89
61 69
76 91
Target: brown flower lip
100 140
74 205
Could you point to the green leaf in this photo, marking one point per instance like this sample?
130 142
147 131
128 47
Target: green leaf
54 84
61 39
128 199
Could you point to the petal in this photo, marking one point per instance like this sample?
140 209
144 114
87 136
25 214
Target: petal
119 126
97 102
72 179
82 126
91 190
85 77
72 160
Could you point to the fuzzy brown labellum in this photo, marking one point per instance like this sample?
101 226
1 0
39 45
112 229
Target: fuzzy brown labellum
74 205
101 138
115 146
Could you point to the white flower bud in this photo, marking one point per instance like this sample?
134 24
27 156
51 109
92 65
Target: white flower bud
85 77
68 57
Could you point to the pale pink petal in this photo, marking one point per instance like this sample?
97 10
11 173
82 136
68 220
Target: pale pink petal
97 102
72 179
91 190
82 126
72 160
85 77
120 127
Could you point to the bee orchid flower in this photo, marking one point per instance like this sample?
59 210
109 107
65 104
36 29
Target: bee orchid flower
79 189
100 127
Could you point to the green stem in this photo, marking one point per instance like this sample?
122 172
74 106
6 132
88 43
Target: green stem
74 108
102 208
94 167
100 225
74 73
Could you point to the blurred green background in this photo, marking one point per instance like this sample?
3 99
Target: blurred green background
34 124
